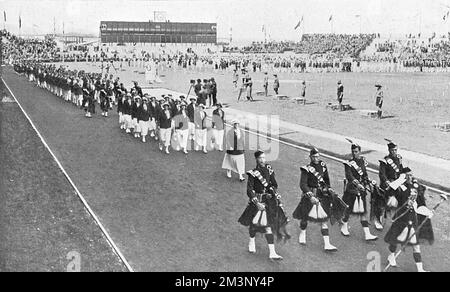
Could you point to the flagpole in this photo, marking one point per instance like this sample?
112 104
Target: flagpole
360 24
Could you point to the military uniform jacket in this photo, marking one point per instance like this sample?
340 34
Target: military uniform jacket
356 173
390 169
314 176
254 185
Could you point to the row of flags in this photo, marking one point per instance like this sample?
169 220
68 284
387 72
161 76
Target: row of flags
446 15
20 19
300 22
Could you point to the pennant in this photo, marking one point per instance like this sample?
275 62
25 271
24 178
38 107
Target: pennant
4 16
20 22
263 28
331 18
299 23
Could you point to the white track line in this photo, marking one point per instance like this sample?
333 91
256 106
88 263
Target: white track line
83 200
327 156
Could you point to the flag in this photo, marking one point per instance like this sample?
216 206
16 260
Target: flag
446 15
331 18
20 22
4 15
357 15
299 23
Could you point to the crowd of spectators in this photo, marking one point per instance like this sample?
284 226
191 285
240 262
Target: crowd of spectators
338 45
14 47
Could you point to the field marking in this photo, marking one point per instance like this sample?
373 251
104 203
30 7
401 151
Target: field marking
83 200
327 156
335 158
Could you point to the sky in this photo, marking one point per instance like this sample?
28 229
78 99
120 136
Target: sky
244 17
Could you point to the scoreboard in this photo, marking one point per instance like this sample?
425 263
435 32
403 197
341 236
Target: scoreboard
158 32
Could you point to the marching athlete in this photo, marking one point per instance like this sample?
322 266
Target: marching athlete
191 110
126 108
143 117
356 189
200 129
316 202
234 159
405 228
120 101
218 127
165 128
260 214
104 101
155 110
182 128
134 116
391 167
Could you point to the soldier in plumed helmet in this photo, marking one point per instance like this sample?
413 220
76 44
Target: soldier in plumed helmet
316 202
357 187
260 214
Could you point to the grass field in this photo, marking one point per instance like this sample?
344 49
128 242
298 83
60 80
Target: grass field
42 219
414 102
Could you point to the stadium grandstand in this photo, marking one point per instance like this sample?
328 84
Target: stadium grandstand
157 32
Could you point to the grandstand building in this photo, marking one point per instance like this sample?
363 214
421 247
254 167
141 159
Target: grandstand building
120 32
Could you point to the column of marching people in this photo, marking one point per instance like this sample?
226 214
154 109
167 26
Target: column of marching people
176 124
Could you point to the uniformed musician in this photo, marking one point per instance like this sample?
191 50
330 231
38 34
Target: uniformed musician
404 229
357 188
315 204
391 167
261 210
